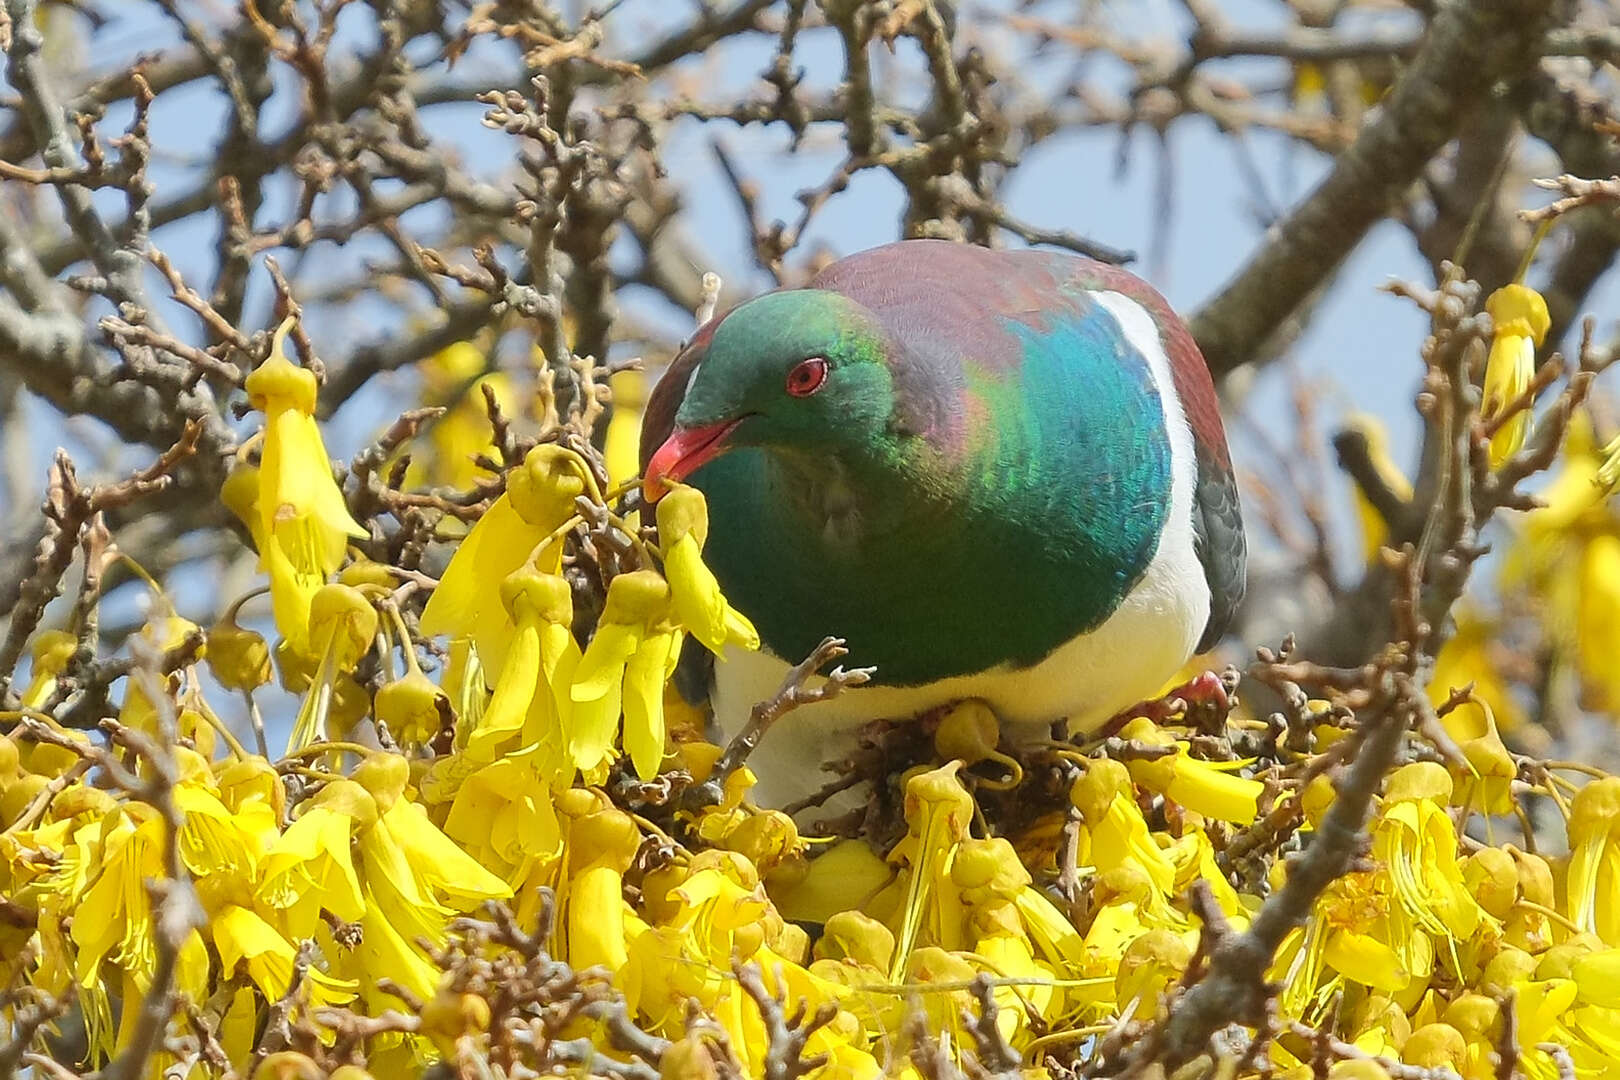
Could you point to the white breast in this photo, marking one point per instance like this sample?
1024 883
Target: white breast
1086 680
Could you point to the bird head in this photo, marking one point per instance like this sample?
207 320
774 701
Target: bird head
800 371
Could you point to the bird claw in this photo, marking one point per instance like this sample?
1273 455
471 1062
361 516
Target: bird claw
1203 694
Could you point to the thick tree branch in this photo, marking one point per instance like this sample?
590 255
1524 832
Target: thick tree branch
1471 45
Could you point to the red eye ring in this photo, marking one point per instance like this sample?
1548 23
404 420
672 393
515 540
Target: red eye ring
807 376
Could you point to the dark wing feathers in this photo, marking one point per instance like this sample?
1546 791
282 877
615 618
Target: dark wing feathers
1218 539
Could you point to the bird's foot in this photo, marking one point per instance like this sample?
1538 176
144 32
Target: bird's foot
1204 700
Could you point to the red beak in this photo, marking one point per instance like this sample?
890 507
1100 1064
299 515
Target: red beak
683 453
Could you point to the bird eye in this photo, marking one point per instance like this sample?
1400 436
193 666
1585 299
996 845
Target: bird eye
806 376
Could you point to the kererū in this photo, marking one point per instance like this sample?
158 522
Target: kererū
997 474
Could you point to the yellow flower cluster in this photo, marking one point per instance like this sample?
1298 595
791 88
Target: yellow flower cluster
341 884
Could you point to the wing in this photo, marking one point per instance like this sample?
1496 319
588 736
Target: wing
1217 516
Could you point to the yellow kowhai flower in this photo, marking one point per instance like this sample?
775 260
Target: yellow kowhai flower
342 625
1608 473
710 910
591 910
1351 934
1597 622
939 812
383 949
503 815
309 868
1547 556
242 937
214 841
1150 966
1417 843
683 529
532 696
304 523
456 377
1194 858
1594 859
621 449
1202 786
1521 323
51 651
417 874
114 919
844 877
1465 658
634 651
1485 782
539 500
1119 834
1018 932
1374 529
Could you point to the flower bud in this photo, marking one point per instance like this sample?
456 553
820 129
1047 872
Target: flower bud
238 657
1436 1046
1094 791
968 733
543 490
342 615
683 511
1492 877
687 1058
384 775
287 1065
452 1014
412 707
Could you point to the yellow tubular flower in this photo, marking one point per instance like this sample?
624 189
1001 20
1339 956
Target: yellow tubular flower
342 624
539 499
1197 785
51 652
1594 859
1597 622
602 845
621 448
1608 474
504 817
240 935
1417 843
625 662
683 529
309 869
533 689
417 874
114 920
1374 529
1119 834
304 523
1486 782
938 812
1521 320
1465 658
